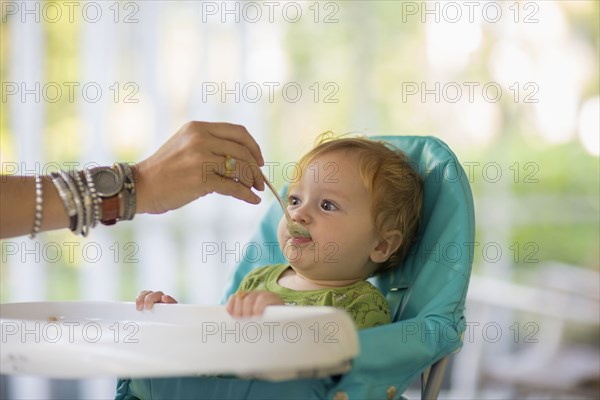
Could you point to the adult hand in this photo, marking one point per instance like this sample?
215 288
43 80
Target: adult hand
192 164
243 305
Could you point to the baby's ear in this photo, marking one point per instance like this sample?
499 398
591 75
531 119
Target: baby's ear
387 245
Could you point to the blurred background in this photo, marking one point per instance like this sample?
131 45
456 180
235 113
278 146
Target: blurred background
512 87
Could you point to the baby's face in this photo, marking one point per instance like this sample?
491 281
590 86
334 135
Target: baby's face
332 203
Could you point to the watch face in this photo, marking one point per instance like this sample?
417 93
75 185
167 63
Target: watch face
106 181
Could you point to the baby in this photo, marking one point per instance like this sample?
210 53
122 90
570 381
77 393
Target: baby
361 203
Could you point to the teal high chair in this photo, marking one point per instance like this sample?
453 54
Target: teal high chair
426 295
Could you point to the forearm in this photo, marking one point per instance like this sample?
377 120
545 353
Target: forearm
18 202
17 206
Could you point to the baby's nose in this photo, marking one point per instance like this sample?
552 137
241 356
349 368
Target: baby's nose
301 214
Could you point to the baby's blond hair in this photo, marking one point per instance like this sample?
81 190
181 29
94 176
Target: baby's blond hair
396 188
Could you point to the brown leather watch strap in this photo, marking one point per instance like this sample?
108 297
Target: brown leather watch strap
110 210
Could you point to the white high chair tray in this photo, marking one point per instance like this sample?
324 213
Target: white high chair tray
85 339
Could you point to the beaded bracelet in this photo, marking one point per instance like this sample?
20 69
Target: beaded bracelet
95 199
37 221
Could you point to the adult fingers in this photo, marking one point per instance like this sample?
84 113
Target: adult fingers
248 174
238 134
245 169
230 187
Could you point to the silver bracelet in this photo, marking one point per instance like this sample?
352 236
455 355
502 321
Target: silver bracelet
77 199
129 195
66 197
37 221
86 200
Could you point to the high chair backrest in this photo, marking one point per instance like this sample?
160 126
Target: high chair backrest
443 251
426 293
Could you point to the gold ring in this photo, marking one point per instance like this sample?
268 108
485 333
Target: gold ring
229 165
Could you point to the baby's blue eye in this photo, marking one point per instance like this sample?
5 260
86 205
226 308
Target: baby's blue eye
328 206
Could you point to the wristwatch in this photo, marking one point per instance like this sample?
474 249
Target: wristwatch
109 184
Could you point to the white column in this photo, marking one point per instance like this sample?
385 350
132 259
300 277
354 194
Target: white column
206 218
218 228
364 113
99 276
26 119
155 235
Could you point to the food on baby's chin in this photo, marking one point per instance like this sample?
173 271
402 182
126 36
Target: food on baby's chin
52 319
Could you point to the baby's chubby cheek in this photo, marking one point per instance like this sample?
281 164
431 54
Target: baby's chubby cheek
282 233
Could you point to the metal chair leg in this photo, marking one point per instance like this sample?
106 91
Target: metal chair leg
431 379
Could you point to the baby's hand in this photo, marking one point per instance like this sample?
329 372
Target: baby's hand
244 304
147 298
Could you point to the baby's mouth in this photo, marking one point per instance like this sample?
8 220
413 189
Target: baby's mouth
299 235
296 230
